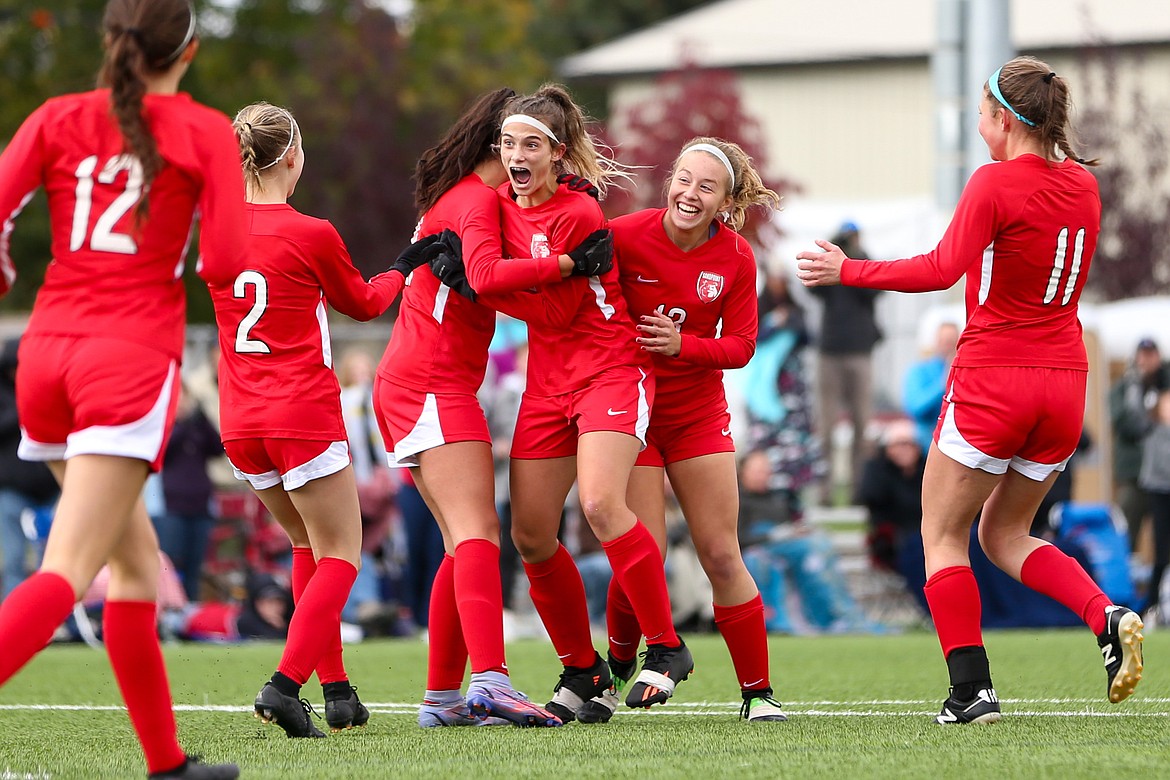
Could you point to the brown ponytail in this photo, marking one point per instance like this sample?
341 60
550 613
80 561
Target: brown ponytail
142 36
1042 96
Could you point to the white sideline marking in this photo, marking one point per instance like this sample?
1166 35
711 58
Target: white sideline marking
811 708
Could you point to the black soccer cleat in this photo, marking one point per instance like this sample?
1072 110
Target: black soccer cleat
1121 649
662 670
578 684
984 708
194 769
601 708
288 712
344 710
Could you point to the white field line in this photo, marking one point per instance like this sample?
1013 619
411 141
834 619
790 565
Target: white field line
812 708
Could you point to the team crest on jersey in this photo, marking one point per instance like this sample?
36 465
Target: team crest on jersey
709 286
540 246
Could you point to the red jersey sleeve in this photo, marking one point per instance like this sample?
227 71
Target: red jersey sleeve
737 340
488 271
971 231
21 166
223 227
345 288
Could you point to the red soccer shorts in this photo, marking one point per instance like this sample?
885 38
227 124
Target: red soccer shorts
1022 417
675 439
82 395
265 463
618 400
412 421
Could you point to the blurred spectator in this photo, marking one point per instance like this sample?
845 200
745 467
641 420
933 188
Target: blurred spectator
891 491
186 523
1131 403
848 333
264 614
376 488
775 391
926 383
1155 480
778 546
26 487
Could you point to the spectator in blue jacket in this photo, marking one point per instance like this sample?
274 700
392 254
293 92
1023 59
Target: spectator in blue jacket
926 383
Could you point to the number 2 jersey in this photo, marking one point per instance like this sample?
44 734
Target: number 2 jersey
276 375
1022 297
109 275
709 293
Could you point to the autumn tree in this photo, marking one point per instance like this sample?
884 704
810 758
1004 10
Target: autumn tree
1128 134
688 102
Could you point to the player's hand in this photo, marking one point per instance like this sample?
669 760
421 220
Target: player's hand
579 184
447 264
594 255
414 255
659 334
820 269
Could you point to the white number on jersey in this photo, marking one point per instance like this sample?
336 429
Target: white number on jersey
678 315
104 239
1058 266
245 345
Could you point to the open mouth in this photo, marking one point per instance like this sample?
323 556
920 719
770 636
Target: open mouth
687 211
520 176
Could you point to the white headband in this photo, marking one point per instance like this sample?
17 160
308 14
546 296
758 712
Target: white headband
715 150
292 134
186 38
528 120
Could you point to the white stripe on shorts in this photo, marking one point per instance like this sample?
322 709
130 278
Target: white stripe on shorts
426 434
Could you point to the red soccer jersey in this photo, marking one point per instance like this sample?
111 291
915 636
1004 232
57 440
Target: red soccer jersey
709 292
587 328
276 375
1041 221
109 276
440 341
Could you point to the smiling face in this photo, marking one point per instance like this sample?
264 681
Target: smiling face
530 158
698 192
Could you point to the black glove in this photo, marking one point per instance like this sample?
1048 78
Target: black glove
594 256
414 255
447 264
579 184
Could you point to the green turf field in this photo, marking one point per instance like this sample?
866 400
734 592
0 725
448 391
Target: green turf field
860 706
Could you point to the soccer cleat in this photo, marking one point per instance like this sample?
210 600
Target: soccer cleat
344 710
663 669
601 708
1121 648
578 684
496 698
984 708
432 714
760 707
288 712
194 769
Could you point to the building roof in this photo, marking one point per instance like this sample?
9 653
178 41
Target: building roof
762 33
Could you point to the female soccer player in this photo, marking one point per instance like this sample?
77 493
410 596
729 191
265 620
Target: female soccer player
125 168
1016 393
690 281
425 397
280 408
584 410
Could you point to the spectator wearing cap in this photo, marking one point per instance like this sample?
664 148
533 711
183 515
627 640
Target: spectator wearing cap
848 334
1131 403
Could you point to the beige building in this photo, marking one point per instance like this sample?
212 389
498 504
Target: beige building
846 95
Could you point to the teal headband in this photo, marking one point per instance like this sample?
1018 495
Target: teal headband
993 85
